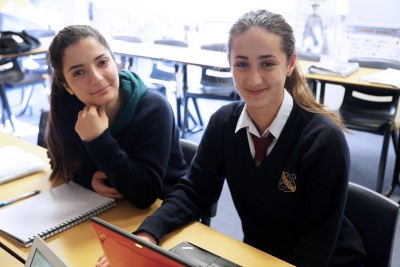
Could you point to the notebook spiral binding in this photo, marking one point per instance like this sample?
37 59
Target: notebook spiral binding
73 222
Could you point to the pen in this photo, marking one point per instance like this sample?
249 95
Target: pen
18 198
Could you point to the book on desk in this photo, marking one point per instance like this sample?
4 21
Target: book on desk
16 163
52 212
388 76
333 68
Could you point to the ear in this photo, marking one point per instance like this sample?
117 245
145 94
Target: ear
292 64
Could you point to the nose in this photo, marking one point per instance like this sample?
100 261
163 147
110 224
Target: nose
254 77
96 76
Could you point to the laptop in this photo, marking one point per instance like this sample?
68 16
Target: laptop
40 255
122 249
16 163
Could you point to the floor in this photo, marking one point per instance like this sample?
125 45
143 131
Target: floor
364 149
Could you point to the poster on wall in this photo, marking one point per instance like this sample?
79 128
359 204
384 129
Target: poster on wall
315 28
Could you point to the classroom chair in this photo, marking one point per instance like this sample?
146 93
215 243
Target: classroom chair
44 117
375 218
370 110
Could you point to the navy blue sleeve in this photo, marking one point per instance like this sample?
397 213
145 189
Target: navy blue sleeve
136 164
194 194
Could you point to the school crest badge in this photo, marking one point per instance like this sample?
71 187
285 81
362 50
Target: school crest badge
287 182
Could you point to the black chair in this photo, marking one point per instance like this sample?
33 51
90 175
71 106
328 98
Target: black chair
44 117
12 77
375 218
215 84
373 111
189 149
128 61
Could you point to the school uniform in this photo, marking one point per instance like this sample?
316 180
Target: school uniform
291 205
140 153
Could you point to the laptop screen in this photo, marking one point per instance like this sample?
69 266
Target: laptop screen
124 249
41 255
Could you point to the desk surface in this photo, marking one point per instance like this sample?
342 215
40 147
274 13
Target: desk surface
78 246
192 56
352 79
201 57
43 48
7 260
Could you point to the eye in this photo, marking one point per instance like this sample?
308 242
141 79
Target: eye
103 62
267 64
77 73
242 64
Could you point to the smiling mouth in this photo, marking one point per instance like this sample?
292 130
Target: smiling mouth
256 92
101 90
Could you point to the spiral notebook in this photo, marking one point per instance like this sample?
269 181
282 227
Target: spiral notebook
52 212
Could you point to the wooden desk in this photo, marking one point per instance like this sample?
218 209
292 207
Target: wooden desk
352 79
182 56
7 260
78 246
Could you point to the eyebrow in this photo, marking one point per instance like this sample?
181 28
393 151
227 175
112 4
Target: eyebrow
260 57
265 56
80 65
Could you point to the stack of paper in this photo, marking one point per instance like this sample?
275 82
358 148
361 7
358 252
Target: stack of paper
16 163
334 68
388 76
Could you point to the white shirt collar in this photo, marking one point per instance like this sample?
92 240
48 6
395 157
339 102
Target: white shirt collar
277 124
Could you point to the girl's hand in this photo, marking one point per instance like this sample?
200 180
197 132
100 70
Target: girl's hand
147 236
101 188
102 262
92 121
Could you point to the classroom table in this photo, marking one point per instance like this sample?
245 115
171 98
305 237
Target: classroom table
42 49
79 246
8 260
199 57
352 79
182 56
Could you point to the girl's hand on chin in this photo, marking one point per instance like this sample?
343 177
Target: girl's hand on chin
92 121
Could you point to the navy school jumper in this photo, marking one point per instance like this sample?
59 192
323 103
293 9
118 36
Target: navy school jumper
291 206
